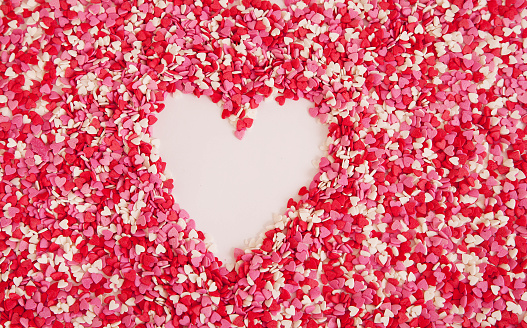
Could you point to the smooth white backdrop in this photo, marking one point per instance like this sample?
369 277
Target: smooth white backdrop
232 187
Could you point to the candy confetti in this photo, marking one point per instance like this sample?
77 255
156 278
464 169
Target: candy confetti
417 217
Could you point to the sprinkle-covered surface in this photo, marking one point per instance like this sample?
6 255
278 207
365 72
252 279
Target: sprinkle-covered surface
415 219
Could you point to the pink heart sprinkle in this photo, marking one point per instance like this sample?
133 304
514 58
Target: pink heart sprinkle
60 181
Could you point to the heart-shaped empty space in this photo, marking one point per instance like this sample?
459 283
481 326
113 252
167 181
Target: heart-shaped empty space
232 187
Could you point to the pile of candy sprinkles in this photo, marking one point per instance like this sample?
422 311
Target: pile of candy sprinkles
417 217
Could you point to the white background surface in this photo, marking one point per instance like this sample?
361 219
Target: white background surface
232 187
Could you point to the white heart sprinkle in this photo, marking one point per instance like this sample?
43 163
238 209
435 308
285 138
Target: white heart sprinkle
113 305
